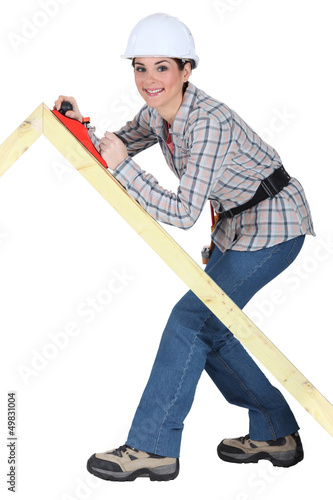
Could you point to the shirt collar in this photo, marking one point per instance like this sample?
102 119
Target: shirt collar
184 111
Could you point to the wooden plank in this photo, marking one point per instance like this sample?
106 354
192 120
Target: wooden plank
194 277
21 139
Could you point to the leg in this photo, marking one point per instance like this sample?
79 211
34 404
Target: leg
228 364
193 339
242 383
181 358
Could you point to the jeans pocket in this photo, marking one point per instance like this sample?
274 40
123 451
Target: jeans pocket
295 249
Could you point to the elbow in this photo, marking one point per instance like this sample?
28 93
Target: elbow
188 220
190 223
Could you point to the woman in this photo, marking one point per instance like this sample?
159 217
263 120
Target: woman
263 219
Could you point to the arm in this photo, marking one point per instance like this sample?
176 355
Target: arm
209 141
136 135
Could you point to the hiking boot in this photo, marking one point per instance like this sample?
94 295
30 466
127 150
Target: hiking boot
126 464
282 452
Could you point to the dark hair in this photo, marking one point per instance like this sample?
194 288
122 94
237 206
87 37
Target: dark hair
180 62
181 65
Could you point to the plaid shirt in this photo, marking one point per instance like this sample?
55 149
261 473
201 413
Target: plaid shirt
218 157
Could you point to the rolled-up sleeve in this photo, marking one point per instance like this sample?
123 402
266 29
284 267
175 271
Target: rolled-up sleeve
208 140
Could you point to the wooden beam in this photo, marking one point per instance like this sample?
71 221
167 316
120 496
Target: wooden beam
20 140
43 120
194 277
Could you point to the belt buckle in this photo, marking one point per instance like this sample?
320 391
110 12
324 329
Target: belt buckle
275 182
269 187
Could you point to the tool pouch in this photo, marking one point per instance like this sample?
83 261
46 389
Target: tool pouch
207 250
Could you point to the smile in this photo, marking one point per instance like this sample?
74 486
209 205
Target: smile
154 92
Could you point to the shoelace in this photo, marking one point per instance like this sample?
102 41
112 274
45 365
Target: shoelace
247 437
244 438
122 449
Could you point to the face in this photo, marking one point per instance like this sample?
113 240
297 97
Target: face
159 81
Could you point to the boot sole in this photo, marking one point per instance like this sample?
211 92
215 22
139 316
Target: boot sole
163 473
278 459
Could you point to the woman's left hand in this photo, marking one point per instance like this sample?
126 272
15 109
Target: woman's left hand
113 150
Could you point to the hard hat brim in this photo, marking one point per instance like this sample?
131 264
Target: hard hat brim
187 57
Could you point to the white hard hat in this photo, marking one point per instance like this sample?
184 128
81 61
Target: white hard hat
161 35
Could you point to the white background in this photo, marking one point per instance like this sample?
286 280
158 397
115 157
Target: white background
61 244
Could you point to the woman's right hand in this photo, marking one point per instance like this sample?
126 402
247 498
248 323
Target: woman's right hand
75 113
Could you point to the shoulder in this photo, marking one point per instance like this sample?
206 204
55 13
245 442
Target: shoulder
148 119
145 114
207 108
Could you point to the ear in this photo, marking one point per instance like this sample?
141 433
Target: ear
187 71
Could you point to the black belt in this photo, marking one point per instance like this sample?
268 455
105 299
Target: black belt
268 188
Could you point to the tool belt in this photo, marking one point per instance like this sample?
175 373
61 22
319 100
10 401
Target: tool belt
268 188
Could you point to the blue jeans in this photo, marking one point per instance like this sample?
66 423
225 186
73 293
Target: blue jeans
194 340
